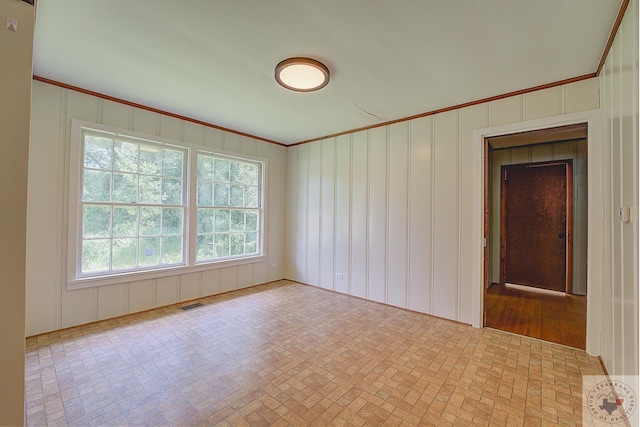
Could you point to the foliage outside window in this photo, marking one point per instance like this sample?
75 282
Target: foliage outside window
228 207
139 205
132 205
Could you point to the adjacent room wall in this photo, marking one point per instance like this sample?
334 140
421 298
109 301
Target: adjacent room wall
387 214
575 150
15 87
50 305
619 104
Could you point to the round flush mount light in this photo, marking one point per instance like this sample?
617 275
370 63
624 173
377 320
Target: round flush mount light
302 74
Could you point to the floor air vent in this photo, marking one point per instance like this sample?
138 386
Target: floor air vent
191 306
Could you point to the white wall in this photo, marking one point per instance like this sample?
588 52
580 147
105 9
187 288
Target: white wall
392 209
619 104
50 305
575 150
15 87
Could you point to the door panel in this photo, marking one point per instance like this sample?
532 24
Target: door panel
536 225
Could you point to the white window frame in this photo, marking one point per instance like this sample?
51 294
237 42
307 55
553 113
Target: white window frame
74 279
217 155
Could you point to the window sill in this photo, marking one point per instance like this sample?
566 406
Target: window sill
112 279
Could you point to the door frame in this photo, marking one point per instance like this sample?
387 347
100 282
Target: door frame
568 260
595 228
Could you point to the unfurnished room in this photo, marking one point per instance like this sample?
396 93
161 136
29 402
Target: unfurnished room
361 213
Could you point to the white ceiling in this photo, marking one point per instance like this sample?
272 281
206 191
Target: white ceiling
213 60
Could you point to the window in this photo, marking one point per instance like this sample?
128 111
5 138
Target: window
130 210
228 207
132 204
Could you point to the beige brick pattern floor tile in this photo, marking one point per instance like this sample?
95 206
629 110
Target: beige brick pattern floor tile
285 354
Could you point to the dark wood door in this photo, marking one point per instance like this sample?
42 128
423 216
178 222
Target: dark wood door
536 225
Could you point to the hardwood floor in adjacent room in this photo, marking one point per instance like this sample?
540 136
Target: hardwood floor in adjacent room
290 354
558 318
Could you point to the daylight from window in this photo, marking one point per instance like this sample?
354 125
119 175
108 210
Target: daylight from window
134 211
132 205
227 199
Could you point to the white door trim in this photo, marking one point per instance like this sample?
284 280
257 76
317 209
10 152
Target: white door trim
595 206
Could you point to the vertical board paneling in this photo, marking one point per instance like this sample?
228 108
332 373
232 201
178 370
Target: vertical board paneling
83 107
213 138
193 133
582 96
619 104
541 153
629 190
171 128
302 213
470 119
562 151
291 240
616 185
520 155
313 214
115 114
276 209
145 121
245 275
112 301
343 214
189 286
260 273
542 103
327 216
44 262
420 232
445 228
606 343
507 110
141 295
377 213
359 180
398 231
231 142
78 307
211 282
248 146
228 279
167 290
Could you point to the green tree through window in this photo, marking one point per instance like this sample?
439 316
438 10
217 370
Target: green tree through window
228 207
136 196
132 205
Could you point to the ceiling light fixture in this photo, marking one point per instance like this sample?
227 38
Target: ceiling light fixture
302 74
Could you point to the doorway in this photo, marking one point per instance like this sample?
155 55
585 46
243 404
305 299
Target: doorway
551 308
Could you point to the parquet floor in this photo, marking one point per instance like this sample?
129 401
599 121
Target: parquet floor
551 317
291 354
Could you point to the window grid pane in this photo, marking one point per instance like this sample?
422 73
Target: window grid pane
132 205
228 208
133 212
